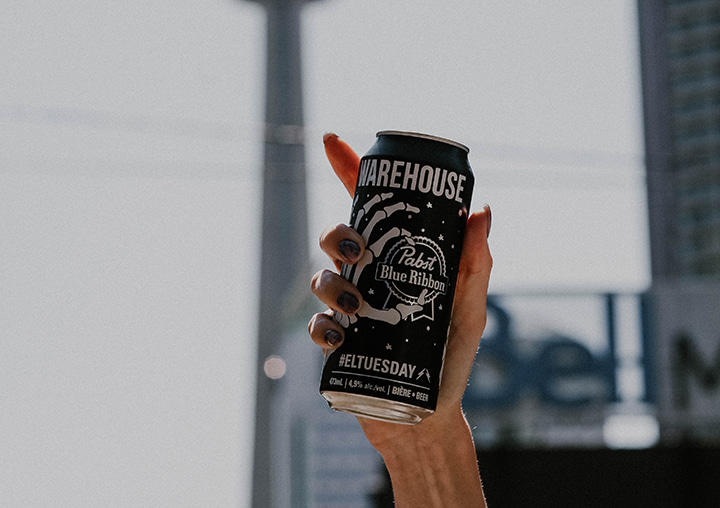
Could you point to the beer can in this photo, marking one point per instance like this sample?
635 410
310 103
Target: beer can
411 206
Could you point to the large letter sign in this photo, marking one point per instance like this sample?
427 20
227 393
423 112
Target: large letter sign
562 372
687 326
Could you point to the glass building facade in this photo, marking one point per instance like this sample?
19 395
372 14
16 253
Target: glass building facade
680 58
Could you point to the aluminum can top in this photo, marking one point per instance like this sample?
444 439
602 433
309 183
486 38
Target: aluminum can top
423 136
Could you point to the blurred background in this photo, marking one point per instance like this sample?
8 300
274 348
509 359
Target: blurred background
163 186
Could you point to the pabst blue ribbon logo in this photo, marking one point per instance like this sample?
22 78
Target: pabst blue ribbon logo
413 269
415 272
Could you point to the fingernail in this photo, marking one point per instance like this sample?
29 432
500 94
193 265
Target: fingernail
348 302
350 250
489 218
328 135
333 338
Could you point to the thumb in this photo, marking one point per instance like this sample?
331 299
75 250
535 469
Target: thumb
343 159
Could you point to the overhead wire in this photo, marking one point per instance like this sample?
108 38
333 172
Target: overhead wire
529 165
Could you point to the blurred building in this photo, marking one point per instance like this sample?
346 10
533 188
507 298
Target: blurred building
680 59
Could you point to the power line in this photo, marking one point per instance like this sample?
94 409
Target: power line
241 171
531 167
128 122
199 128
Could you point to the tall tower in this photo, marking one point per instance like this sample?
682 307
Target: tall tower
284 255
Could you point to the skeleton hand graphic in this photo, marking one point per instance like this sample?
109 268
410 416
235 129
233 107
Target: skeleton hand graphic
372 252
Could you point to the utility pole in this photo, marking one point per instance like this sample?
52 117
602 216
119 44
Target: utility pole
284 254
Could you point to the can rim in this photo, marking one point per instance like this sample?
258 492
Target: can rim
423 136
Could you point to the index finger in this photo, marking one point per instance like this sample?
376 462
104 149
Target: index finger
343 159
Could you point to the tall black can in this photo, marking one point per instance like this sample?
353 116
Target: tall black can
411 206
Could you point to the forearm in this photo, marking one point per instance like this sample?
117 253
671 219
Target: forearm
436 469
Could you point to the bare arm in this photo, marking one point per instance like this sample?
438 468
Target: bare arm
437 469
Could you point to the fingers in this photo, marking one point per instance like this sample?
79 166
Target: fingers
343 244
476 253
343 160
335 292
325 331
473 278
469 313
338 294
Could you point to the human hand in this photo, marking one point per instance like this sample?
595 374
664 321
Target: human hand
443 435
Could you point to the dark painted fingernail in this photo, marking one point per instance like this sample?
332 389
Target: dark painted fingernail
349 249
348 302
333 338
489 218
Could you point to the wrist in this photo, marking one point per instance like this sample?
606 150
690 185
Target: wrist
434 464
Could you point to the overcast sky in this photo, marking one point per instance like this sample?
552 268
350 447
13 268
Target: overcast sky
129 202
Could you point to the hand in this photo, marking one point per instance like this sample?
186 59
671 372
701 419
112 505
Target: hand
438 453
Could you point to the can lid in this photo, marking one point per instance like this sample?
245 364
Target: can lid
424 136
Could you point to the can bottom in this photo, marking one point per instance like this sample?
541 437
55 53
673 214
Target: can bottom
375 408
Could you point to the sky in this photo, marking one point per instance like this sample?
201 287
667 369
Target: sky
130 163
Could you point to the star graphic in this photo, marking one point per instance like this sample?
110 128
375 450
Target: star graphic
440 307
441 238
389 346
371 291
429 205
